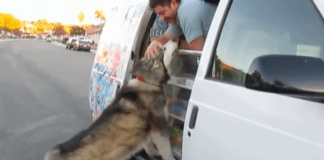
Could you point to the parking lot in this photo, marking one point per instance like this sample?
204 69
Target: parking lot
43 97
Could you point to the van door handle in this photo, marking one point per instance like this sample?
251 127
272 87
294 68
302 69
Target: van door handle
132 55
193 117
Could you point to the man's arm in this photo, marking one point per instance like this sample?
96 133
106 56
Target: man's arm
165 38
196 44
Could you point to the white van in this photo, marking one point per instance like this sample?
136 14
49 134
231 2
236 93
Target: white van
256 91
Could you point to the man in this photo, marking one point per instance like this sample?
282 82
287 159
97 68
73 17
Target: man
191 18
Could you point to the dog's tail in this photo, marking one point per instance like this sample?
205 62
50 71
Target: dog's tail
59 152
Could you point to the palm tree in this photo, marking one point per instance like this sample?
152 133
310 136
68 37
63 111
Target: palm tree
99 15
81 18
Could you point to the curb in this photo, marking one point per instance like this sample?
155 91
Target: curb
6 40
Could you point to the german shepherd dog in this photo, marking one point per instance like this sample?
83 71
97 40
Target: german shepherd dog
135 120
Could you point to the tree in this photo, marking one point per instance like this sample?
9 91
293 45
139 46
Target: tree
57 25
99 14
67 29
58 29
77 30
41 26
17 32
28 27
9 23
1 20
24 25
87 26
81 17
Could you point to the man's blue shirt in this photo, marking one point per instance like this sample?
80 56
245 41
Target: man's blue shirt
194 19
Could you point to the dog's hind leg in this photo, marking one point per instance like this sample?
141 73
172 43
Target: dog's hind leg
151 149
162 143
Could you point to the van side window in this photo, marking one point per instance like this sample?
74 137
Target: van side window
261 27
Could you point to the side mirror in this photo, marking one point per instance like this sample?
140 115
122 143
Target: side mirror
286 74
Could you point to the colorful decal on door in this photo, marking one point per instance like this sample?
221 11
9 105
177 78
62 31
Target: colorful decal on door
103 76
112 57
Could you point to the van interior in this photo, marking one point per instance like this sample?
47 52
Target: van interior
178 89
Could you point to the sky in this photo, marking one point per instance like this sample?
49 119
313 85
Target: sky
64 11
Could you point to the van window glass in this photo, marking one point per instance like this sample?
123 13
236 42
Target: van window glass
85 42
261 27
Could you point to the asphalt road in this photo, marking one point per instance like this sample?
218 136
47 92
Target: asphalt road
43 96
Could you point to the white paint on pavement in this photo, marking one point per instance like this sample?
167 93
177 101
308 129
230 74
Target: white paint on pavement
32 126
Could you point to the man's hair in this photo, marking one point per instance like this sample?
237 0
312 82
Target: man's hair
154 3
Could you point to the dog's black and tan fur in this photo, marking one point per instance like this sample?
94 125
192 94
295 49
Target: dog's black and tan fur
136 119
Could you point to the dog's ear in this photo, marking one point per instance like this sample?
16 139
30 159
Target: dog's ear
141 66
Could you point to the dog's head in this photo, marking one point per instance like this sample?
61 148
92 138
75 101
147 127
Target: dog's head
152 70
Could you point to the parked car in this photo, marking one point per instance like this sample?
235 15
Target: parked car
70 42
82 44
255 91
48 39
89 40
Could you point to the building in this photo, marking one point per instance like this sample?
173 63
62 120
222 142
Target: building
93 32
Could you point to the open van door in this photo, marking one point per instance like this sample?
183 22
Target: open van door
113 56
258 92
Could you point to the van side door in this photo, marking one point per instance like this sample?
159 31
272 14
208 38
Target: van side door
113 55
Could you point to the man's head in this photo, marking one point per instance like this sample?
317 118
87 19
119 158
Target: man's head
166 9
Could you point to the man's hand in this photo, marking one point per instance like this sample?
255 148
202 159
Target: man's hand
156 45
153 49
